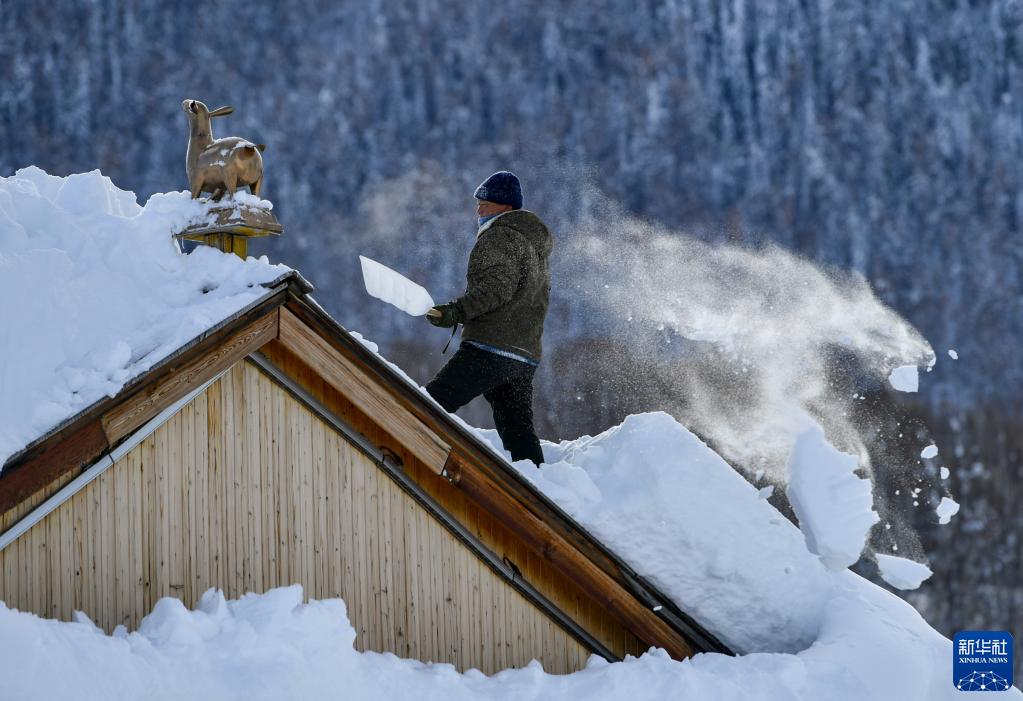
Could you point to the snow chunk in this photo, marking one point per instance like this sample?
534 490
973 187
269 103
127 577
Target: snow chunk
929 452
833 505
394 288
98 292
250 200
953 354
902 573
944 472
273 646
766 492
946 510
369 345
905 378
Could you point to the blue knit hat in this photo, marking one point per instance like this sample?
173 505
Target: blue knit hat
501 188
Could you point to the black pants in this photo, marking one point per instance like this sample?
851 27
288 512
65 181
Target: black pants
504 382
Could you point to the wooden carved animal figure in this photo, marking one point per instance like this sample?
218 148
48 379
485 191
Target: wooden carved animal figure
222 165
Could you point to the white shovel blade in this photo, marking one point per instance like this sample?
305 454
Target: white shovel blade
394 288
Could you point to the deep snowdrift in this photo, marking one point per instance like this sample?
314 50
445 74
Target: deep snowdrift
272 646
96 292
682 517
656 495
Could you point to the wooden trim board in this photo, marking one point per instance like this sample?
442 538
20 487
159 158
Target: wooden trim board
83 440
544 541
375 401
77 451
151 400
275 297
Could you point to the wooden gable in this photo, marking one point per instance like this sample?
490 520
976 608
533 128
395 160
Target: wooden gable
244 489
287 453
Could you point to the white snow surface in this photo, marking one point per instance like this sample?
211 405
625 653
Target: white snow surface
902 573
247 199
273 646
655 494
905 378
96 292
394 288
658 496
684 519
834 506
946 510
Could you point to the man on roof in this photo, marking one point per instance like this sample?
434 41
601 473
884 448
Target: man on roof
508 284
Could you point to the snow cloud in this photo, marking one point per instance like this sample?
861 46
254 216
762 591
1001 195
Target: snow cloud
756 331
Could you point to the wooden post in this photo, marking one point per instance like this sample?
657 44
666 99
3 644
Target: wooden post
228 242
233 228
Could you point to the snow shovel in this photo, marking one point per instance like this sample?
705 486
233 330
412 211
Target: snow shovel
394 288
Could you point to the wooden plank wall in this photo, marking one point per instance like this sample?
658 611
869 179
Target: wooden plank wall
245 489
543 576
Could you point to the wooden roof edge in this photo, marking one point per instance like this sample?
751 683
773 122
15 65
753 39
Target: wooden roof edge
504 475
292 289
293 279
274 296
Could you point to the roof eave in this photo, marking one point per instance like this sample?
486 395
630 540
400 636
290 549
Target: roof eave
294 291
512 481
291 280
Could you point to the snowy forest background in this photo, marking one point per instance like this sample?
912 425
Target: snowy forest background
883 139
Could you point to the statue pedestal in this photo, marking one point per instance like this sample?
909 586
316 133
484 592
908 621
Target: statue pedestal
232 225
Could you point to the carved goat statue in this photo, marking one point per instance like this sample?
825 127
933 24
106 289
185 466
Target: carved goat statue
222 165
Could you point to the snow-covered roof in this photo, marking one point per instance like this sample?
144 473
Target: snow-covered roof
648 487
97 292
120 297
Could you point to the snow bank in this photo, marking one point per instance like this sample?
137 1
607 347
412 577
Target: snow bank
833 505
683 518
655 494
900 572
272 646
96 292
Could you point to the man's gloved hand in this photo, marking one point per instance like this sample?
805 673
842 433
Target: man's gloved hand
448 317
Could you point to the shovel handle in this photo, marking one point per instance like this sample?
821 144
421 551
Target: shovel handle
434 312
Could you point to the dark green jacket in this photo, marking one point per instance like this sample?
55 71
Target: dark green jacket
508 284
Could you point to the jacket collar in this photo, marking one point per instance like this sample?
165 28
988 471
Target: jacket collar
488 223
